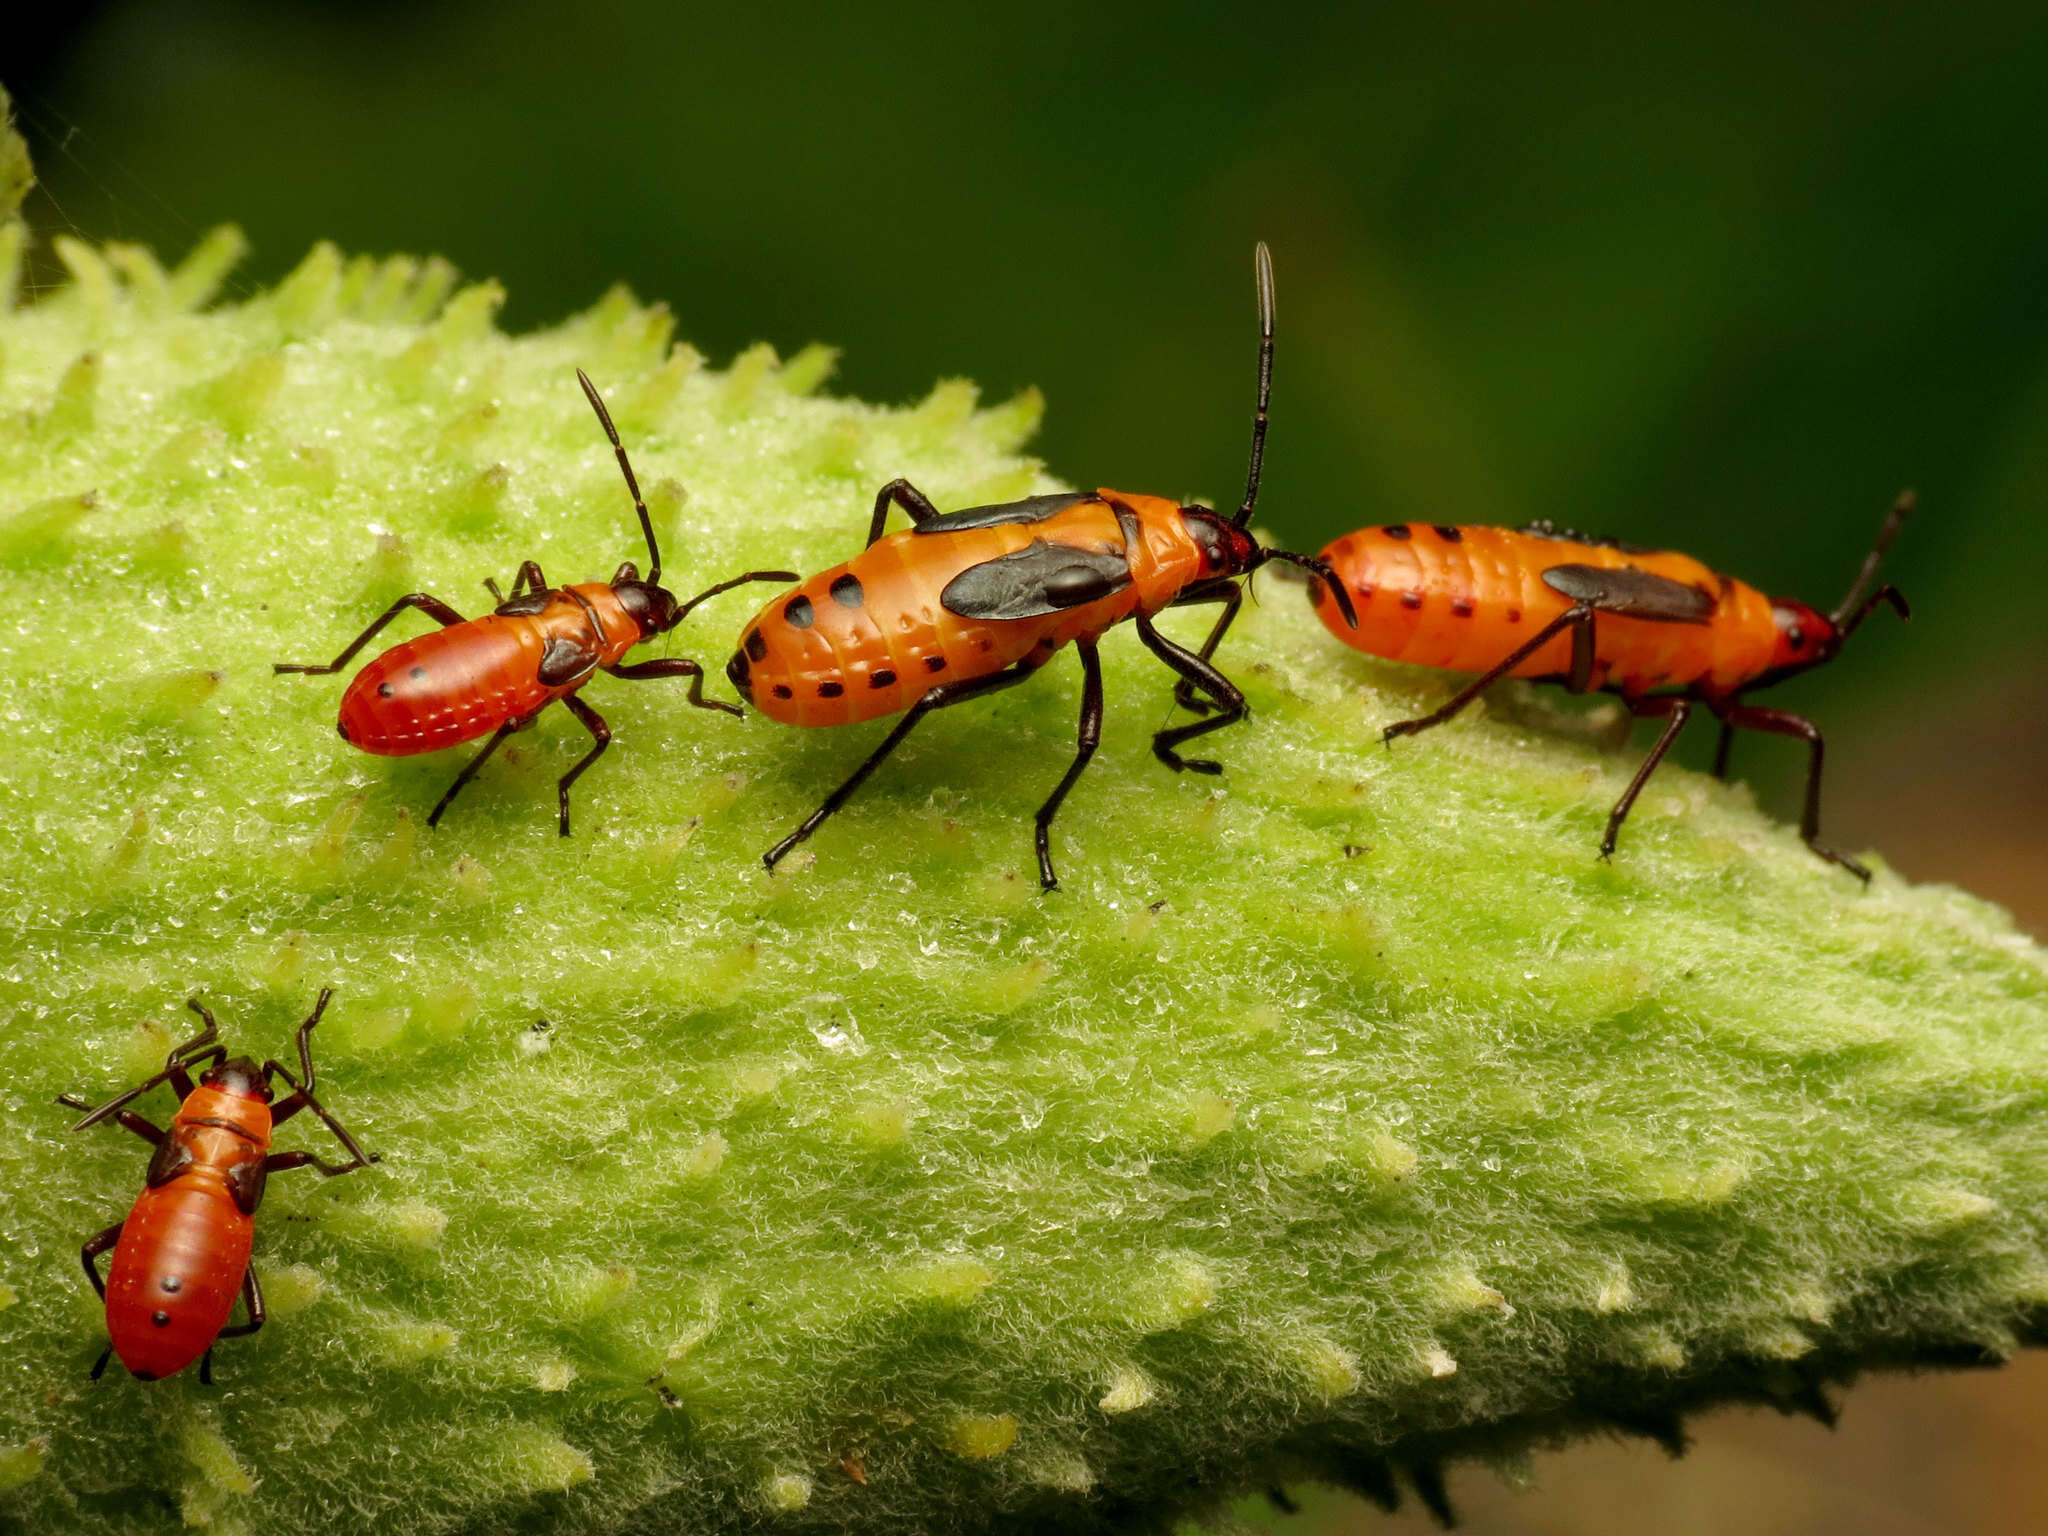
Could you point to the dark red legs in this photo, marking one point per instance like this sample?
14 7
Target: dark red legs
1722 749
1753 717
914 502
678 666
469 769
1679 709
527 578
936 698
601 736
1230 705
301 1097
1086 740
431 606
1231 595
1578 619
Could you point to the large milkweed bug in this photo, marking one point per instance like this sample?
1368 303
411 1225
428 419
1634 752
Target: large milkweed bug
494 675
966 603
1659 629
182 1253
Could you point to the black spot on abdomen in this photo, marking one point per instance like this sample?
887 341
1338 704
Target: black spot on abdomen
756 647
846 591
799 613
830 690
1448 534
881 679
741 675
1397 531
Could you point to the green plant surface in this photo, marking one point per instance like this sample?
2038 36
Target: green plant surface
1335 1116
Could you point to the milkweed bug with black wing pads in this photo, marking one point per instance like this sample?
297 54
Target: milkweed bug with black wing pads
1661 630
964 604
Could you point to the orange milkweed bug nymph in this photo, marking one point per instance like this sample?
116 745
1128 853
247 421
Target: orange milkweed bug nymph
1661 630
182 1253
963 604
495 674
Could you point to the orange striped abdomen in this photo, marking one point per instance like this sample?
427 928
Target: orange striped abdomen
868 638
1464 598
181 1257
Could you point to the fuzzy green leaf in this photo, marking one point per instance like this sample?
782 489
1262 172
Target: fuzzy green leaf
1341 1113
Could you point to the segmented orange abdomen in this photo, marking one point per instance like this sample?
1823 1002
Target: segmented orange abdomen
1462 598
185 1244
457 684
867 638
176 1272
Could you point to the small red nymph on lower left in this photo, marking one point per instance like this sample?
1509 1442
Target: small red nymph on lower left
182 1254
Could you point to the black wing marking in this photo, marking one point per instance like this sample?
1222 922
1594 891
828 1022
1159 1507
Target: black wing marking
1632 593
1544 528
565 660
1038 579
172 1158
1032 509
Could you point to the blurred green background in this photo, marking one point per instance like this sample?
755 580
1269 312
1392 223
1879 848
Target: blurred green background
1720 277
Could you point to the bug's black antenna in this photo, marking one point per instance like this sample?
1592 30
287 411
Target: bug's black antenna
1262 266
1861 599
633 485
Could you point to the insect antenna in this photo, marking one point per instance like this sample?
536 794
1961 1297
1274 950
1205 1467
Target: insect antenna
181 1058
625 467
1262 268
1321 570
782 578
1856 607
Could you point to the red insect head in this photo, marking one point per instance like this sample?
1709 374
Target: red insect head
1806 636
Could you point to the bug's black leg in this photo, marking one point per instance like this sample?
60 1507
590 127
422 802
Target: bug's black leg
1722 749
491 586
593 722
99 1366
677 666
96 1245
1753 717
1578 618
1231 595
1645 709
252 1298
176 1072
127 1119
529 574
206 1366
178 1065
1230 705
469 770
1086 740
906 496
432 607
935 698
302 1098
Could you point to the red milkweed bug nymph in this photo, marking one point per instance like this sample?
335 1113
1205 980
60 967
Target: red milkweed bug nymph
963 604
495 674
182 1254
1661 630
